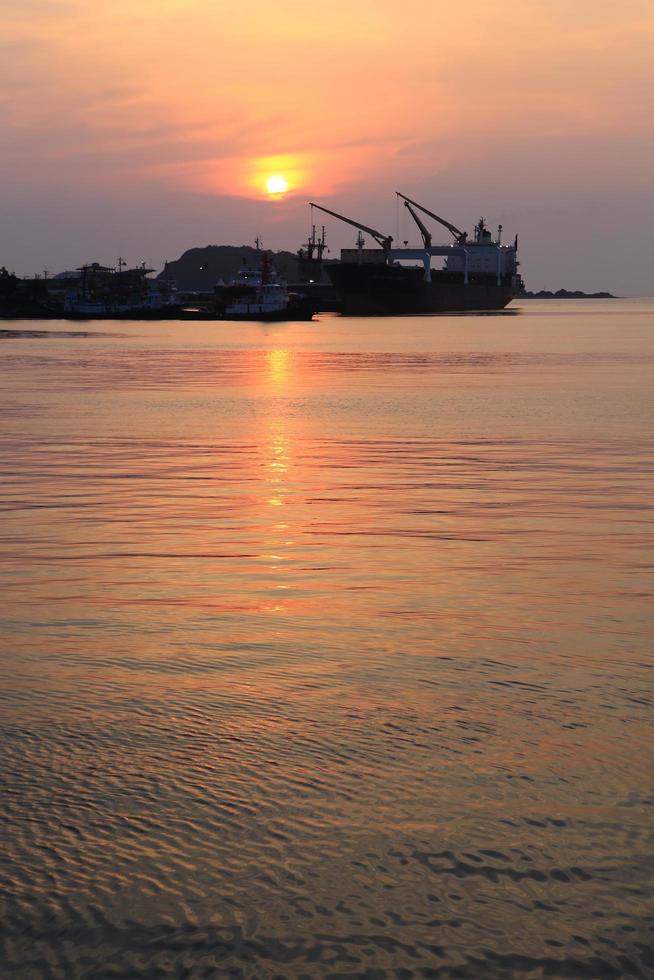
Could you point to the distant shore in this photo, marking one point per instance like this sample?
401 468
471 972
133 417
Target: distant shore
564 294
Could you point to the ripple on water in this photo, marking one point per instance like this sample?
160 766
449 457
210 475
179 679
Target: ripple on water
324 664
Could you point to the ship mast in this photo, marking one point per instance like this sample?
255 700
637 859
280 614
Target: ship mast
316 246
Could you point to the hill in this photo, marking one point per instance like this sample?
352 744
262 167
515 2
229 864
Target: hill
199 269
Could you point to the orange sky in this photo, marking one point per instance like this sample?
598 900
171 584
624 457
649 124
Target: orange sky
499 107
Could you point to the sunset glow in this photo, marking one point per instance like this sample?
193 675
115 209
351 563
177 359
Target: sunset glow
513 111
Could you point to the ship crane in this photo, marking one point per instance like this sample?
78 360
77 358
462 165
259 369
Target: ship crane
385 241
459 235
424 231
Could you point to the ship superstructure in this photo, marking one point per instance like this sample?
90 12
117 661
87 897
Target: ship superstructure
478 273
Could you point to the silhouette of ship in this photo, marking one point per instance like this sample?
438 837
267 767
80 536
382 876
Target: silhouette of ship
103 292
477 274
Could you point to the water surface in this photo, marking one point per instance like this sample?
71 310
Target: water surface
327 646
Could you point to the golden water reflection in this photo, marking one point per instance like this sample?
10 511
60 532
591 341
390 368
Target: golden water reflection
291 642
277 448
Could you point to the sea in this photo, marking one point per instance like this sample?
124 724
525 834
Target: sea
326 647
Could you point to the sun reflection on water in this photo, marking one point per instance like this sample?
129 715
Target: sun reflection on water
277 466
277 369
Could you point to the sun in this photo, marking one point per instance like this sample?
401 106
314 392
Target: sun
276 184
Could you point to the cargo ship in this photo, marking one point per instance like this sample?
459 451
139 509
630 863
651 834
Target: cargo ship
477 273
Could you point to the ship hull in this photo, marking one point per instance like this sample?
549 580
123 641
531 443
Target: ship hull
381 290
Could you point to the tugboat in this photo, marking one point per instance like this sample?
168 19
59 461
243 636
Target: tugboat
479 274
263 295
